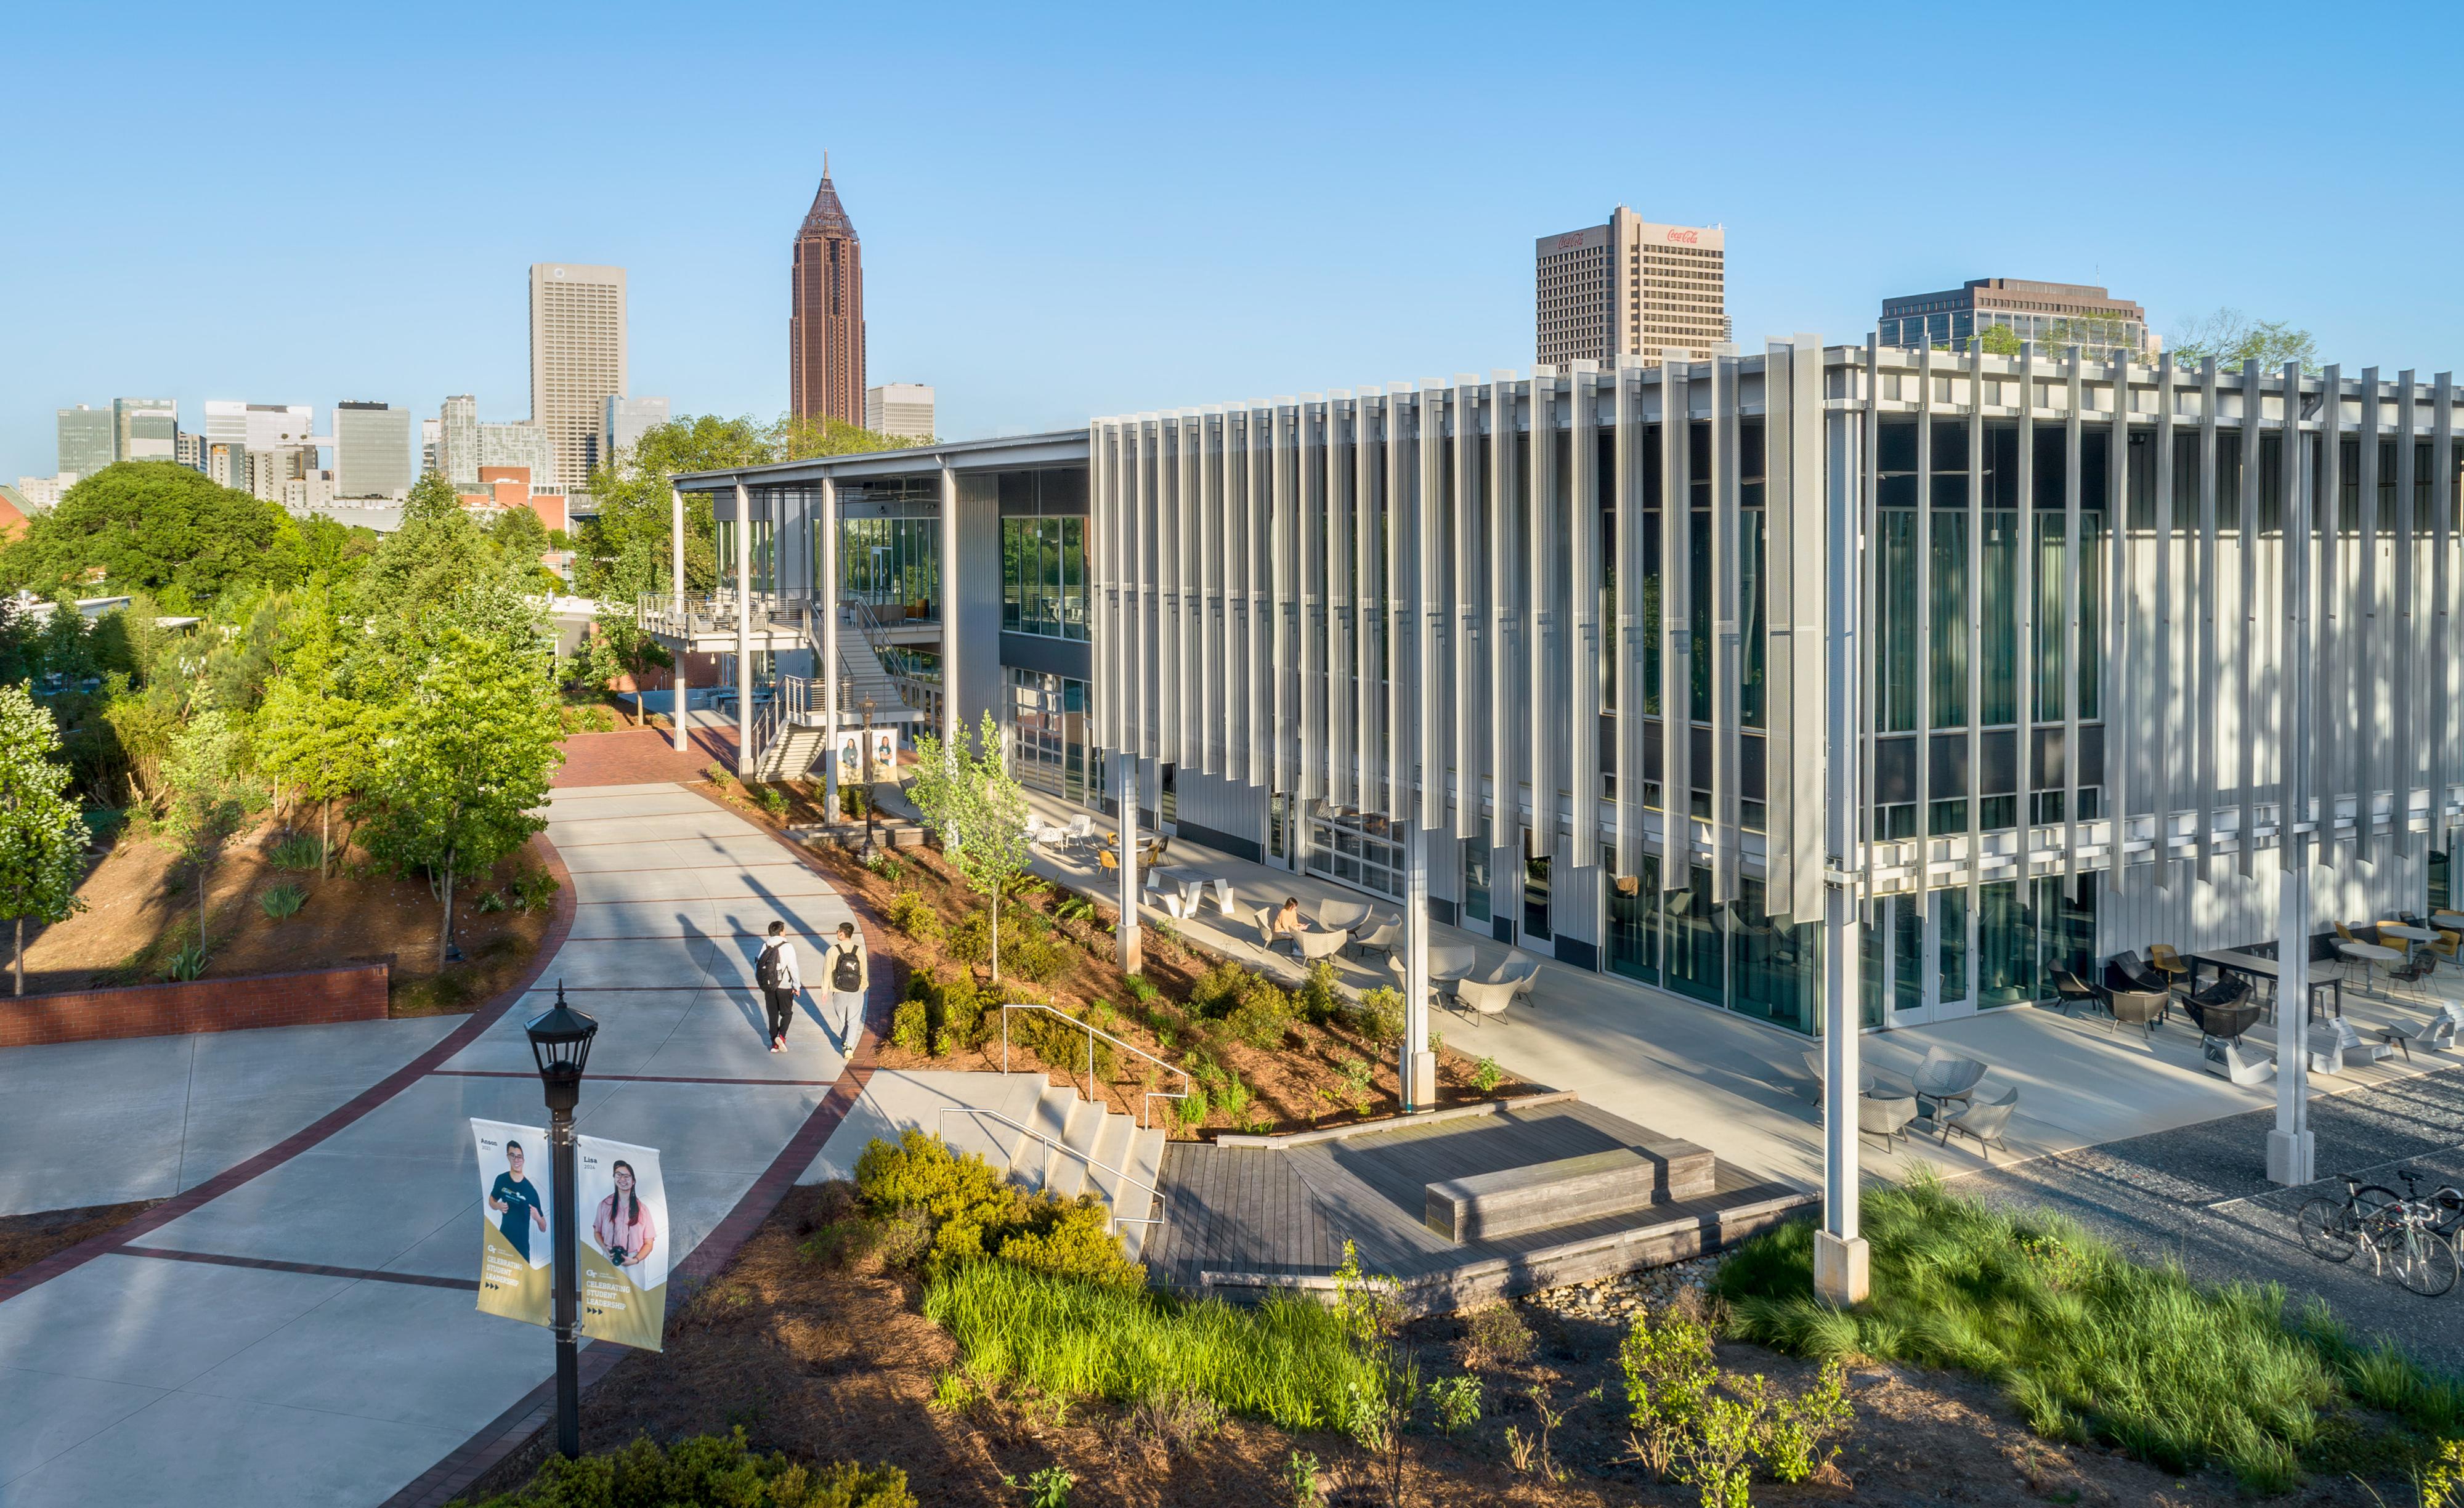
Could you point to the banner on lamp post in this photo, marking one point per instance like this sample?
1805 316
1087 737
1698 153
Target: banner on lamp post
516 1202
624 1242
851 756
885 754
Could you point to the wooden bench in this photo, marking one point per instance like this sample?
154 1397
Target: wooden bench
1567 1191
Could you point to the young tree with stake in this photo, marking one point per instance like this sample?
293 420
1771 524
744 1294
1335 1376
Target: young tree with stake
42 836
206 806
981 810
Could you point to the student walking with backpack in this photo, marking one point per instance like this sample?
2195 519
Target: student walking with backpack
850 977
777 974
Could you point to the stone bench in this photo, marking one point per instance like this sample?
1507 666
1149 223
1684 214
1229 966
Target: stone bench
1567 1191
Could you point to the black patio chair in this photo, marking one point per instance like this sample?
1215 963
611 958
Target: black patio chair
2119 980
2073 992
2136 972
2223 1011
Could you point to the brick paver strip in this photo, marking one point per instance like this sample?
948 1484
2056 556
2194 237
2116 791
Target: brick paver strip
463 1035
518 1425
642 756
755 1083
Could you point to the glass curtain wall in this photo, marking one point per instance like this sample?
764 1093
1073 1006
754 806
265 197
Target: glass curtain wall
1043 576
893 565
1048 733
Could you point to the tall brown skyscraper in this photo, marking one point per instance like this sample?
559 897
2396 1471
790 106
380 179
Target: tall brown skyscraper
826 332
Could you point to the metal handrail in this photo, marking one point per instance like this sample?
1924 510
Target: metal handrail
1187 1083
1118 1218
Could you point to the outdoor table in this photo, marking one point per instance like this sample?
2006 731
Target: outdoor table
2411 934
2452 921
2253 967
2371 951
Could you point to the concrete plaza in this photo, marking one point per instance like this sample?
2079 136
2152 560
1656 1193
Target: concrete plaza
309 1337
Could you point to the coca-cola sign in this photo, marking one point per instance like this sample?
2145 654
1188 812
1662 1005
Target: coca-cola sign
1690 237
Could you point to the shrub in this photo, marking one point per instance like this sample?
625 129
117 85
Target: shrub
959 1194
970 941
1039 957
774 801
188 963
1320 1001
490 903
533 887
1486 1076
956 1010
1176 1418
1073 1240
886 865
854 800
1458 1402
708 1471
2088 1344
297 851
1496 1336
1263 1015
1047 1488
909 910
717 775
282 901
1381 1014
911 1027
1358 1088
1285 1361
1231 1097
1061 1043
1192 1107
841 1242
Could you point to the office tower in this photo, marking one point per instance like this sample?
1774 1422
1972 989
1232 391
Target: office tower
1631 287
904 409
41 492
270 471
576 355
87 442
624 421
825 327
371 450
2055 316
227 464
524 443
145 429
190 449
457 440
258 427
432 436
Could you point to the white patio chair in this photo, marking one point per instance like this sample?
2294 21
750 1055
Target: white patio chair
1081 829
1384 935
1985 1120
1520 970
1478 998
1323 943
1341 917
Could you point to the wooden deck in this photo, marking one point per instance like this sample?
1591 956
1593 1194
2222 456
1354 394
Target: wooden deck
1243 1220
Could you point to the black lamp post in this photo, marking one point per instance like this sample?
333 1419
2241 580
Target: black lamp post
560 1045
870 775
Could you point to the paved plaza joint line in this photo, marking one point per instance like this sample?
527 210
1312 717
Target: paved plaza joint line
301 1329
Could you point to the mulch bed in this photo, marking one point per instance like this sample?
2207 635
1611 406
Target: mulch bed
26 1240
830 1364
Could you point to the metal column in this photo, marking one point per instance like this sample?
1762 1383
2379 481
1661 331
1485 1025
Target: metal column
743 631
684 644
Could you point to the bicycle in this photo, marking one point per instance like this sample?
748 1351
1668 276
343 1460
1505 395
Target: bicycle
2407 1237
2333 1230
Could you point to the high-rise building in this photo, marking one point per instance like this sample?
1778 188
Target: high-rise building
524 443
258 427
576 355
904 409
145 429
371 450
87 443
1631 287
41 492
457 440
2055 316
825 327
227 464
271 473
191 449
431 440
624 421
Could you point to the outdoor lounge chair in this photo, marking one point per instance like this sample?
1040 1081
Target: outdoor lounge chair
1985 1120
2126 969
1342 916
1520 970
1944 1077
1477 997
2224 1011
1383 935
2073 991
2163 958
2436 1035
2139 1008
1886 1116
1322 943
1265 917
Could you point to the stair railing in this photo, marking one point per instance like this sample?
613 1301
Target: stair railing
1126 1178
1088 1027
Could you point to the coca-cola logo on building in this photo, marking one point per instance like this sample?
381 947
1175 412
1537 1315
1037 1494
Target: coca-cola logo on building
1565 242
1690 237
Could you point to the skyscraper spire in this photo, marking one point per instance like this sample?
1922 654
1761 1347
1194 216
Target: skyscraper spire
826 325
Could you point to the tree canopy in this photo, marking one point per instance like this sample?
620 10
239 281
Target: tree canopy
967 792
42 836
166 530
2235 339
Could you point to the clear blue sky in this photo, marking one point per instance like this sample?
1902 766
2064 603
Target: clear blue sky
1070 213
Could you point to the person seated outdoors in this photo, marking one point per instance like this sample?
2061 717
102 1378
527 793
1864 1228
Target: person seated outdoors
1287 918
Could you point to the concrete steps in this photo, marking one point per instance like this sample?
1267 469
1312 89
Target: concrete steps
1062 1115
791 753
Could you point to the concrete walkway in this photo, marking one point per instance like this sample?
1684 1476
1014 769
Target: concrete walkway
309 1337
1742 1087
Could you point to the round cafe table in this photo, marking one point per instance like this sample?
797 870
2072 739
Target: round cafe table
2413 934
2371 952
2453 921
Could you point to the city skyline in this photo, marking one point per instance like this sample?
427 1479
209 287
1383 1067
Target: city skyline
266 310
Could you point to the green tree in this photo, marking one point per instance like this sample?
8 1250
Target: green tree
520 540
2000 339
2233 339
155 527
460 764
313 740
967 792
203 777
42 837
438 571
431 497
617 649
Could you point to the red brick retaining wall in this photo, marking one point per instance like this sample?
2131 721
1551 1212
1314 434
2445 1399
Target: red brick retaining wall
308 997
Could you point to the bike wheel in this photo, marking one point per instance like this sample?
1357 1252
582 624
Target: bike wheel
2423 1260
2326 1229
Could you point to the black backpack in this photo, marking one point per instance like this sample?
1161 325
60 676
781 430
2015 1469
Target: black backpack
846 975
767 969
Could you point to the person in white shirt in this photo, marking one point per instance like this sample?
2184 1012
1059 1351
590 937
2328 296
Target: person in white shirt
850 975
777 973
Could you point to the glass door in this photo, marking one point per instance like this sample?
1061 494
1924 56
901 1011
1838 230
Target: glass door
1933 942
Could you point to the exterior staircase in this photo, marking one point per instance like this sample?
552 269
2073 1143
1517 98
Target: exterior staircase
790 752
1062 1116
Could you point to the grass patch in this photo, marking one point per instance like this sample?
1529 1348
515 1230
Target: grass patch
1285 1361
2088 1344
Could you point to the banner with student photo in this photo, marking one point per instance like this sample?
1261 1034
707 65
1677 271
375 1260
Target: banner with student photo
885 754
516 1198
624 1242
851 756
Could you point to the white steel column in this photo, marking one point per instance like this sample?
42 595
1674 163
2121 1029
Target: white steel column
1841 1274
1124 790
684 615
744 630
2292 1152
951 719
827 573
